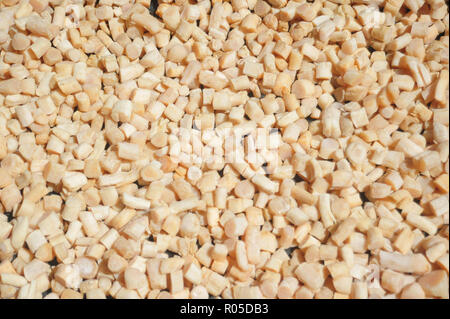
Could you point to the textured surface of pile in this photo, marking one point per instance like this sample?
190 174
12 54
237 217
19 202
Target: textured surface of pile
226 149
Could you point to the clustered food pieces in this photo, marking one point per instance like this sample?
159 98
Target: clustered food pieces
103 195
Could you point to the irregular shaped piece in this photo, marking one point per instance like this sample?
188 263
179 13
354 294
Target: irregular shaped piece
411 263
435 284
311 274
